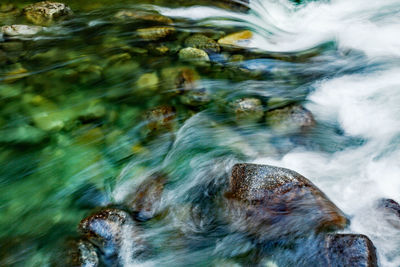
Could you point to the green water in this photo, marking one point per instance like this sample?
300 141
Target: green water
74 100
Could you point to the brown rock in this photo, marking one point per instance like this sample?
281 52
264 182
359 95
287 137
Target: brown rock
145 201
271 202
161 118
155 33
349 250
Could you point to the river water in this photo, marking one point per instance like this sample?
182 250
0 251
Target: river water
339 59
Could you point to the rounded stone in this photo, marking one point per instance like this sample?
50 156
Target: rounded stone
44 12
193 54
16 30
201 41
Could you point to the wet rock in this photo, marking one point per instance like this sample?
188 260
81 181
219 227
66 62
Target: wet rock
349 250
273 203
148 81
82 253
144 203
113 231
161 118
203 42
155 33
144 16
248 109
391 211
16 30
196 97
8 12
193 54
236 39
42 13
290 119
180 79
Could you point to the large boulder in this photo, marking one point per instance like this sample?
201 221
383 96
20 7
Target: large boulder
113 231
273 203
349 250
43 13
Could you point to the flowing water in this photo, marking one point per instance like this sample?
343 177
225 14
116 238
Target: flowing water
74 135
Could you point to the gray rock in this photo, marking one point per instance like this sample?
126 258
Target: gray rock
349 250
391 210
43 13
113 231
290 119
17 30
273 203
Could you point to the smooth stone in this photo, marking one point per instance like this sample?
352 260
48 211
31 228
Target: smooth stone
349 250
201 41
148 81
16 30
44 12
248 109
145 202
161 118
144 16
391 211
290 119
193 54
273 203
155 33
113 231
236 39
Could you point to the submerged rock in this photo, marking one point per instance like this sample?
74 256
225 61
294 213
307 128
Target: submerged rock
180 79
193 54
16 30
144 16
236 39
145 201
391 211
203 42
290 119
114 232
349 250
148 81
275 203
44 12
248 109
155 33
161 118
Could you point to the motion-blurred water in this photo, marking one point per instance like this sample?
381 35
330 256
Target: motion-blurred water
340 59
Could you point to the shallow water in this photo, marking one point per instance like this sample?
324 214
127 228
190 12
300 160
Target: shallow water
74 135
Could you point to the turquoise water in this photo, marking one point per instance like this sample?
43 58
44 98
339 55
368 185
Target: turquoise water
81 124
